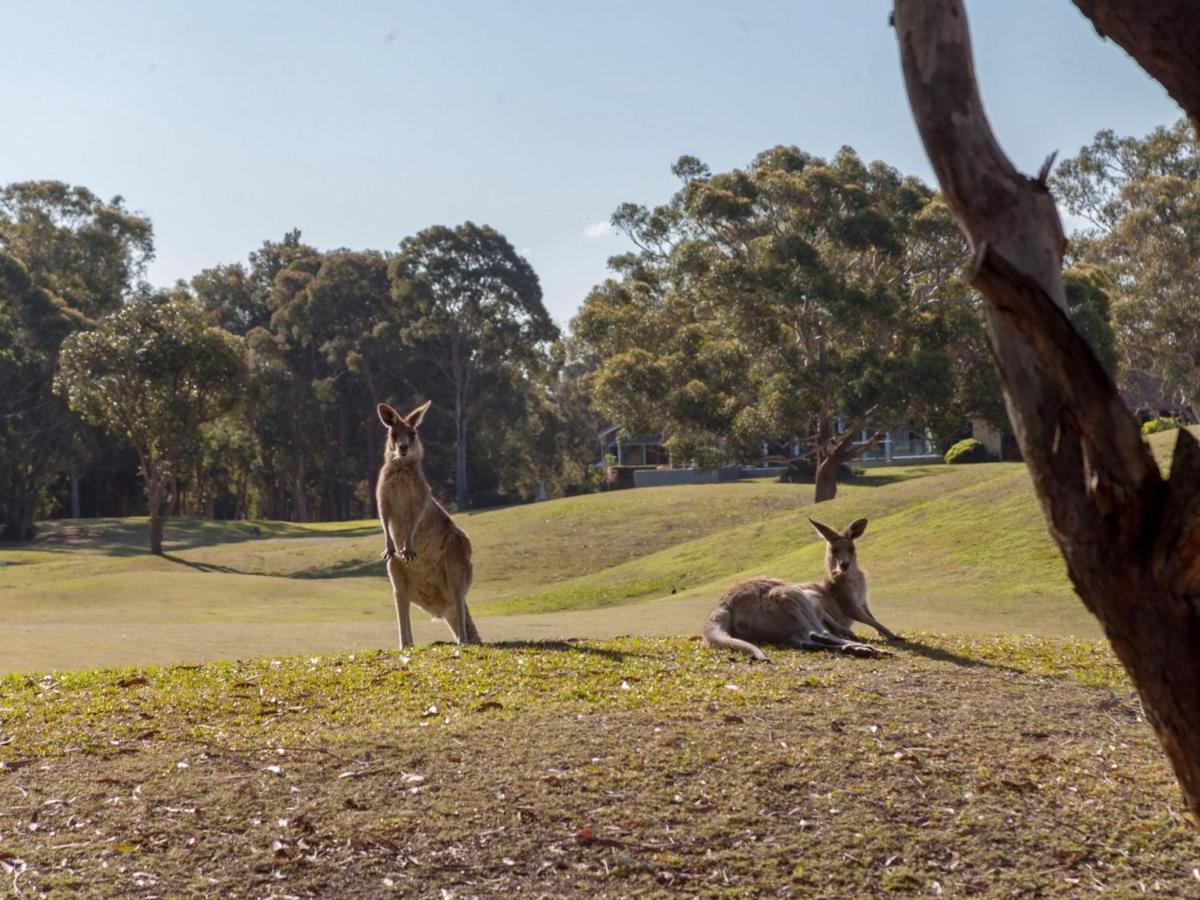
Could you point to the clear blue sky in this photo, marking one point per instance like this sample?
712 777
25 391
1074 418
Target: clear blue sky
363 122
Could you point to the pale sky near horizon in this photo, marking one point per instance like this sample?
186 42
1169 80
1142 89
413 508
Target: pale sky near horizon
363 122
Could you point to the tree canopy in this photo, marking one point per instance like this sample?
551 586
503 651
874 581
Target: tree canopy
778 300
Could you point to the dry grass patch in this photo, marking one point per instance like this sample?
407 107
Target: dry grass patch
1008 766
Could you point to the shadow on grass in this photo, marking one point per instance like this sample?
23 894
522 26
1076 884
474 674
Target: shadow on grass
347 568
203 567
131 537
571 644
929 651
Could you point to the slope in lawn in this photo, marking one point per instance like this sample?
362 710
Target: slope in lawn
962 548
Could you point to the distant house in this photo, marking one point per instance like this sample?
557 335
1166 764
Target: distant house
632 450
901 445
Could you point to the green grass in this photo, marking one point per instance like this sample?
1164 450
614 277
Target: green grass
958 548
993 762
961 766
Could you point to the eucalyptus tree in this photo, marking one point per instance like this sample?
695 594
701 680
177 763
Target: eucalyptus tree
1130 535
473 321
153 372
66 257
773 301
1141 200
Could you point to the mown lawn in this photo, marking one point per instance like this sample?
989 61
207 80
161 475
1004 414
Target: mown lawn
960 766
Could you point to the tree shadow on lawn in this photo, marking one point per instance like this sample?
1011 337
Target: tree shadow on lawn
929 651
203 567
130 537
575 645
346 568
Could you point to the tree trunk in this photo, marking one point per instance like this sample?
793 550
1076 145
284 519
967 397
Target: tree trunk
1162 35
461 495
75 506
836 451
301 496
1131 541
826 480
154 493
373 456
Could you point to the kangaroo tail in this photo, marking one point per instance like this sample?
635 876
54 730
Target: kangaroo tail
716 634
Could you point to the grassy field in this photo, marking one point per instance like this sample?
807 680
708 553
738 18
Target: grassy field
949 548
995 767
309 763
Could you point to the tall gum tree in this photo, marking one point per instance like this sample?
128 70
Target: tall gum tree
153 372
66 258
474 317
1131 538
780 300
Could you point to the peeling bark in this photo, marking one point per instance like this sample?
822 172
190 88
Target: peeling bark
1130 539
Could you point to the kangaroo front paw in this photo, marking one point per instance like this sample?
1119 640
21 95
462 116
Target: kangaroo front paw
387 553
864 650
407 553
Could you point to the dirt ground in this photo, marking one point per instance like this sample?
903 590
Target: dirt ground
819 776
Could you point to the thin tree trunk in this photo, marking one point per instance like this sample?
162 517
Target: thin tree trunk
301 495
1131 541
75 505
154 493
461 495
372 463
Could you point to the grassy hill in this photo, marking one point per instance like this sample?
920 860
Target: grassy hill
962 765
961 549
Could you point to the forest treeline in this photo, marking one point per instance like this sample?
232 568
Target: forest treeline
795 297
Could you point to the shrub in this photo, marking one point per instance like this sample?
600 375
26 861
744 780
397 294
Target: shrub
1165 423
967 451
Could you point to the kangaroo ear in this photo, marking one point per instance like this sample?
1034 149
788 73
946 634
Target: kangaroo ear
388 416
856 528
825 531
414 418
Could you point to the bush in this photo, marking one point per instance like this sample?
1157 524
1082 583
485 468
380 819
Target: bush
967 451
804 471
1165 423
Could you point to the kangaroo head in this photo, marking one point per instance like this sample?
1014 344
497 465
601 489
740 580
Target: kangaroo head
402 440
839 545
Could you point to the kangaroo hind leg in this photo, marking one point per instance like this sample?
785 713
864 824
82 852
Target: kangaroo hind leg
400 591
828 641
460 620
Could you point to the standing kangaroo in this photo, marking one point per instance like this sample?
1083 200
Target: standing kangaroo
432 568
812 616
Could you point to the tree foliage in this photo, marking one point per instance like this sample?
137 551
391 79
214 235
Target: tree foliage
475 324
1141 200
153 372
66 257
776 300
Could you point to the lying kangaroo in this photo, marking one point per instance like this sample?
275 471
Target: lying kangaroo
812 616
432 568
